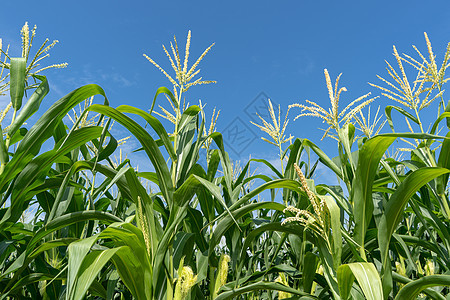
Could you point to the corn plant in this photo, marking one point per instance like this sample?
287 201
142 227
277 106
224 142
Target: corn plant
76 224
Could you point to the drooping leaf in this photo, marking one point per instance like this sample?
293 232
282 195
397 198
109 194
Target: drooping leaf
394 211
412 289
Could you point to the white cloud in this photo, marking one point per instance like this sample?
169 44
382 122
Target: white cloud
324 175
305 64
88 75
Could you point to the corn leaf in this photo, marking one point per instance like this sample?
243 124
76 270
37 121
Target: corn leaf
367 277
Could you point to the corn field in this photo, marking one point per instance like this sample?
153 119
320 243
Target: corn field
77 222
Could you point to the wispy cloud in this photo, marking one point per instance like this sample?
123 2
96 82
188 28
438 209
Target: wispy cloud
323 174
305 64
89 75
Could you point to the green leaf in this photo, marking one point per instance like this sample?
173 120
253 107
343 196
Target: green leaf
323 158
412 289
59 208
310 261
277 183
27 280
430 292
131 260
4 155
18 136
34 172
212 188
225 223
444 161
183 246
155 124
31 106
187 115
361 193
346 135
195 225
89 269
167 92
367 276
289 228
71 218
224 160
388 111
78 251
213 164
258 286
336 230
139 193
268 164
132 273
438 120
395 206
43 129
150 147
17 81
27 256
394 211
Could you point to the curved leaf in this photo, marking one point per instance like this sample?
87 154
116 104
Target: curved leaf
412 289
43 129
156 125
388 111
150 147
228 220
261 285
167 92
323 158
394 211
71 218
33 172
438 120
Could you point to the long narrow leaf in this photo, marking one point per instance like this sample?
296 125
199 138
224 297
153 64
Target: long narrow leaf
367 276
17 81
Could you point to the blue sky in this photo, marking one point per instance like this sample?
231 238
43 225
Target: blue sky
276 48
